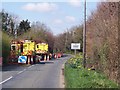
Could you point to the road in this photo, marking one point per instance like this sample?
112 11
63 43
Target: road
41 75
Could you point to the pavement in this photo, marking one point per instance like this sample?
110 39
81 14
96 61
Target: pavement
40 75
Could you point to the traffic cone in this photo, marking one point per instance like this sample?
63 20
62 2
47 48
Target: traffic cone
48 58
28 59
39 58
31 59
45 58
55 56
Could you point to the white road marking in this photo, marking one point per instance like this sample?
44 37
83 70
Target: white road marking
24 69
31 66
6 80
12 76
19 72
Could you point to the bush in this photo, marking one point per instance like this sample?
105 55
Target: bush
5 47
75 62
0 44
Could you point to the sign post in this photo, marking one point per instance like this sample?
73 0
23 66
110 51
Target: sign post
75 46
75 51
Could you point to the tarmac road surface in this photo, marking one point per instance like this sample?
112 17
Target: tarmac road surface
41 75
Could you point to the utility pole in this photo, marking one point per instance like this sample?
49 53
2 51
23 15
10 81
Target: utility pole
16 31
66 39
84 36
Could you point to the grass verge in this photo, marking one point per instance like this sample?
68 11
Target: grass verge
78 77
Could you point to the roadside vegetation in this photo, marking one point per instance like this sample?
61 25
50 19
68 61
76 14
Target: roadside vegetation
37 31
0 44
102 38
13 29
5 47
102 48
78 77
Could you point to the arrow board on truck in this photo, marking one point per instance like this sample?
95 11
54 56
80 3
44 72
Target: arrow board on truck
22 59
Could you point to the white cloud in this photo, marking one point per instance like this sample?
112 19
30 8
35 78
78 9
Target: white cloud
67 19
70 19
40 7
58 21
75 3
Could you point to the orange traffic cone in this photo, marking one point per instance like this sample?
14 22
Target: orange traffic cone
55 56
28 59
45 58
48 58
31 59
39 58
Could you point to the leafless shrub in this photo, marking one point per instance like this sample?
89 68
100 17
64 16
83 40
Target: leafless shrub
102 39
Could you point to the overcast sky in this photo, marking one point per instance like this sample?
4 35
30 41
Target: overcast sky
58 16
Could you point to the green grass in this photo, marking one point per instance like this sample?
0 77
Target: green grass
83 78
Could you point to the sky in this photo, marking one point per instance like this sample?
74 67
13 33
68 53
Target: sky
57 15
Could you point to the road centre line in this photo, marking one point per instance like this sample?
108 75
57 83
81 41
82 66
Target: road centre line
12 76
31 66
24 69
19 72
6 80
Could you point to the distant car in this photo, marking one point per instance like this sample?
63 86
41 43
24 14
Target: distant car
59 55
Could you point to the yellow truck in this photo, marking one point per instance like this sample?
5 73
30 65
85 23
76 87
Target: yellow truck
28 51
28 47
41 50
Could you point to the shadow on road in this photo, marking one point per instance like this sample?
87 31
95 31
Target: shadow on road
13 67
19 67
65 55
47 62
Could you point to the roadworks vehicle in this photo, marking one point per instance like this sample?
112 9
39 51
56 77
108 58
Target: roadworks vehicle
28 51
41 51
15 51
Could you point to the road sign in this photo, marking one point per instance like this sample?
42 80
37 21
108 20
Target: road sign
22 59
75 46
